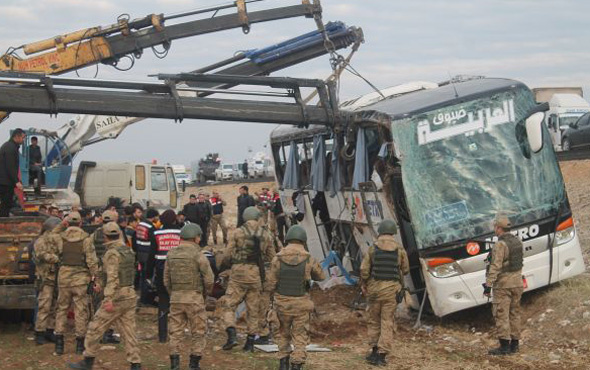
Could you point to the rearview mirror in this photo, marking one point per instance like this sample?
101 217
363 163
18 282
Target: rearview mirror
534 131
573 125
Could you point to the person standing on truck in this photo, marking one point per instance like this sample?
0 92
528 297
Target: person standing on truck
118 306
167 238
291 272
218 218
46 259
145 242
9 171
504 279
248 248
188 278
382 272
78 267
35 165
245 200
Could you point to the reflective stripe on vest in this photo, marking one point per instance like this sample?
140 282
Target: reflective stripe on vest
515 252
292 281
166 239
142 237
73 253
385 266
126 266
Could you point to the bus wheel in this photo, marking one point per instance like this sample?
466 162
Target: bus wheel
566 145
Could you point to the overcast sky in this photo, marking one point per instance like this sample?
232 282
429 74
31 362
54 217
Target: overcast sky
539 42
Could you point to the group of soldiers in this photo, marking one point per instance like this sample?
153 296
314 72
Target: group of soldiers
70 261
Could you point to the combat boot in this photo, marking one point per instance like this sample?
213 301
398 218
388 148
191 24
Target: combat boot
174 362
232 340
514 346
85 364
109 337
59 344
296 366
194 362
284 363
79 345
503 350
249 346
40 338
262 340
373 357
50 335
135 366
381 359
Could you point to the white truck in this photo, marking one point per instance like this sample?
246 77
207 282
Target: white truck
225 172
151 185
566 106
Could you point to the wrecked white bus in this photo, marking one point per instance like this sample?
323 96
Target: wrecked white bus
441 160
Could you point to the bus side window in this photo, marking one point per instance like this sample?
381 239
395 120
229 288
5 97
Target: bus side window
139 177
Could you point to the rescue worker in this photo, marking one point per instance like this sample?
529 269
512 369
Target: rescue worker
145 242
504 279
204 216
78 266
188 278
9 168
291 272
263 202
167 238
244 201
99 240
46 261
218 218
382 272
248 247
118 306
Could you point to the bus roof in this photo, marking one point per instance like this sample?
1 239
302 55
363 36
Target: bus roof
425 100
287 133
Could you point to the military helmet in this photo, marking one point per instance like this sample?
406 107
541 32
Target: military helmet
111 229
190 231
387 227
74 218
296 232
50 224
109 216
251 213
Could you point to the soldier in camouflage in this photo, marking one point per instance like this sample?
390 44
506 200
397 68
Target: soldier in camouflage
78 266
118 306
504 279
248 247
382 271
188 278
46 262
291 272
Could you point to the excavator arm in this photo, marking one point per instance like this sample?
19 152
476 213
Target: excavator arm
128 38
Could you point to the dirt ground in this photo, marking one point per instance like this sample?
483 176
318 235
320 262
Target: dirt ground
556 324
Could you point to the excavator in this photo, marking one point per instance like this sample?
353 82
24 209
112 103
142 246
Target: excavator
128 38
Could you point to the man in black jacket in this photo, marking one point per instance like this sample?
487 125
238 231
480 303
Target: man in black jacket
245 200
191 211
9 162
205 212
35 165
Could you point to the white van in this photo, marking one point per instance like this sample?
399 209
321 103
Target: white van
151 185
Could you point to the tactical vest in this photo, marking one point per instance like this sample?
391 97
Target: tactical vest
248 252
166 239
73 253
99 241
142 237
184 270
292 282
217 206
385 265
126 266
515 252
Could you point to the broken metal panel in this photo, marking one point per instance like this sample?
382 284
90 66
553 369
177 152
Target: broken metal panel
361 160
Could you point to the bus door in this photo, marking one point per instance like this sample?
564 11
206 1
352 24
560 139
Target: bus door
172 187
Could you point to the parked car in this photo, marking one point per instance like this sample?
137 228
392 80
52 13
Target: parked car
577 135
225 172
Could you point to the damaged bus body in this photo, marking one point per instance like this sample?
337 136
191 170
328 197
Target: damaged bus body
442 160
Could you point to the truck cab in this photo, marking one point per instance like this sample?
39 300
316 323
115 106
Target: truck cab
151 185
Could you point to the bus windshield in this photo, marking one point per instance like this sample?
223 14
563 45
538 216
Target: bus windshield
464 163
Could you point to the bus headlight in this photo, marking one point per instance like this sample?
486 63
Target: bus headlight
443 267
565 232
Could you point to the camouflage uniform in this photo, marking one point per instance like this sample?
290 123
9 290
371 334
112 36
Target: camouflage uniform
119 266
265 296
186 285
78 267
381 291
245 283
46 259
507 287
293 309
